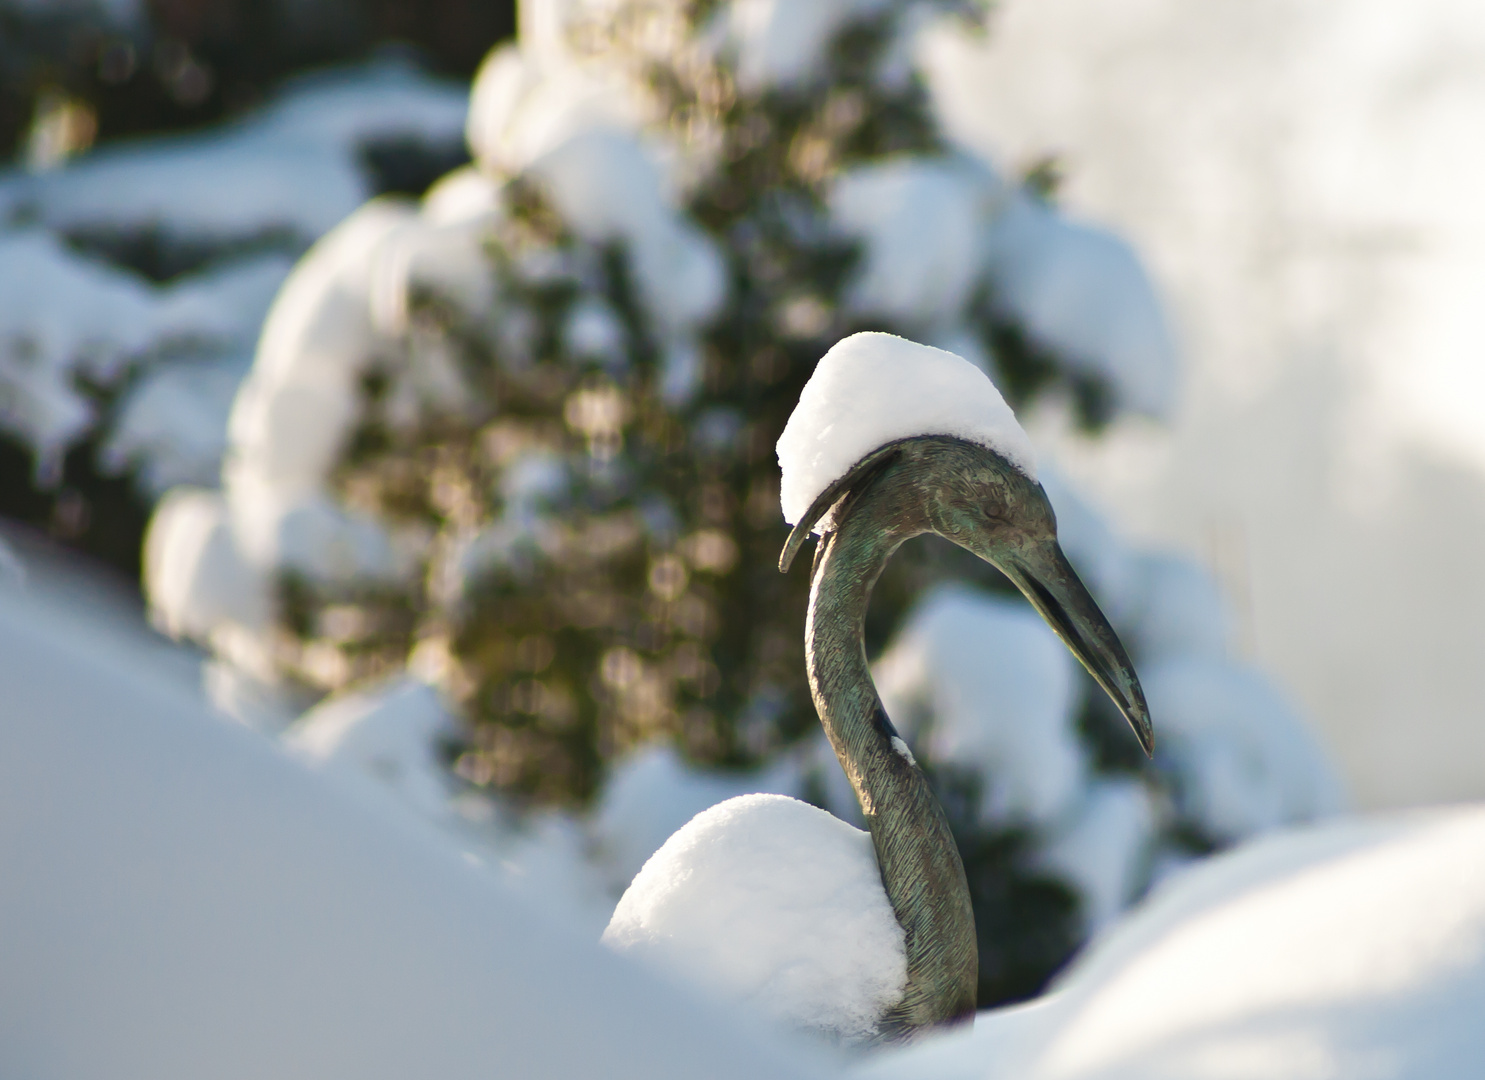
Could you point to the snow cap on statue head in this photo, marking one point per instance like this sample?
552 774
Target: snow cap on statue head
871 389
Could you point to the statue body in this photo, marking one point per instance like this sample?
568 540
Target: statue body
973 496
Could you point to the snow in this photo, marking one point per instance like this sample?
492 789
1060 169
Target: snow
195 578
1356 948
292 166
296 406
494 99
387 744
652 793
1104 848
225 301
573 127
182 900
919 220
436 256
594 331
388 733
278 178
1240 760
782 43
1080 292
47 336
776 905
871 389
1177 608
66 318
461 196
523 105
982 683
316 537
171 427
608 186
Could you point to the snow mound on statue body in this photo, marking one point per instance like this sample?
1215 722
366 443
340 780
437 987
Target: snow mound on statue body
871 389
811 940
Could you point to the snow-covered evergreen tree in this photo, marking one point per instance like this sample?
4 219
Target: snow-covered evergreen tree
134 280
520 437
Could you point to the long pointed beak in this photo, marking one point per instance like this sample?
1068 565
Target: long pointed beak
1048 580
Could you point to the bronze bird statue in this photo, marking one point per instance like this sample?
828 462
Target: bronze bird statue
966 489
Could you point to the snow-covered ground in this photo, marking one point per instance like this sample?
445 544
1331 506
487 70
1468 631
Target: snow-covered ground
1351 949
1304 181
181 900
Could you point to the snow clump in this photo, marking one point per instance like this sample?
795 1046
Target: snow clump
225 212
872 389
982 683
294 166
777 905
1081 293
653 792
919 222
1240 761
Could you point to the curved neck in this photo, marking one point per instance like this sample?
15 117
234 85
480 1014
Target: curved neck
919 861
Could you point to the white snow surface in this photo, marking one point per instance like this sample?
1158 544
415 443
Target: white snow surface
776 905
1081 292
782 43
291 166
527 101
1104 848
1351 949
1242 761
653 792
920 221
171 426
980 682
295 408
871 389
284 175
389 733
574 128
61 316
1177 608
185 902
385 743
608 186
65 317
195 577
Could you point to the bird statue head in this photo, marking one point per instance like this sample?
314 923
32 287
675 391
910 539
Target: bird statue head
915 440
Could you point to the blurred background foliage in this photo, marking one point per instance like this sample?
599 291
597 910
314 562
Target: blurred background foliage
517 436
80 74
179 64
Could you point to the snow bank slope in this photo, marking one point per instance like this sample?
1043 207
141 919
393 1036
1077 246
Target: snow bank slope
181 901
1352 949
